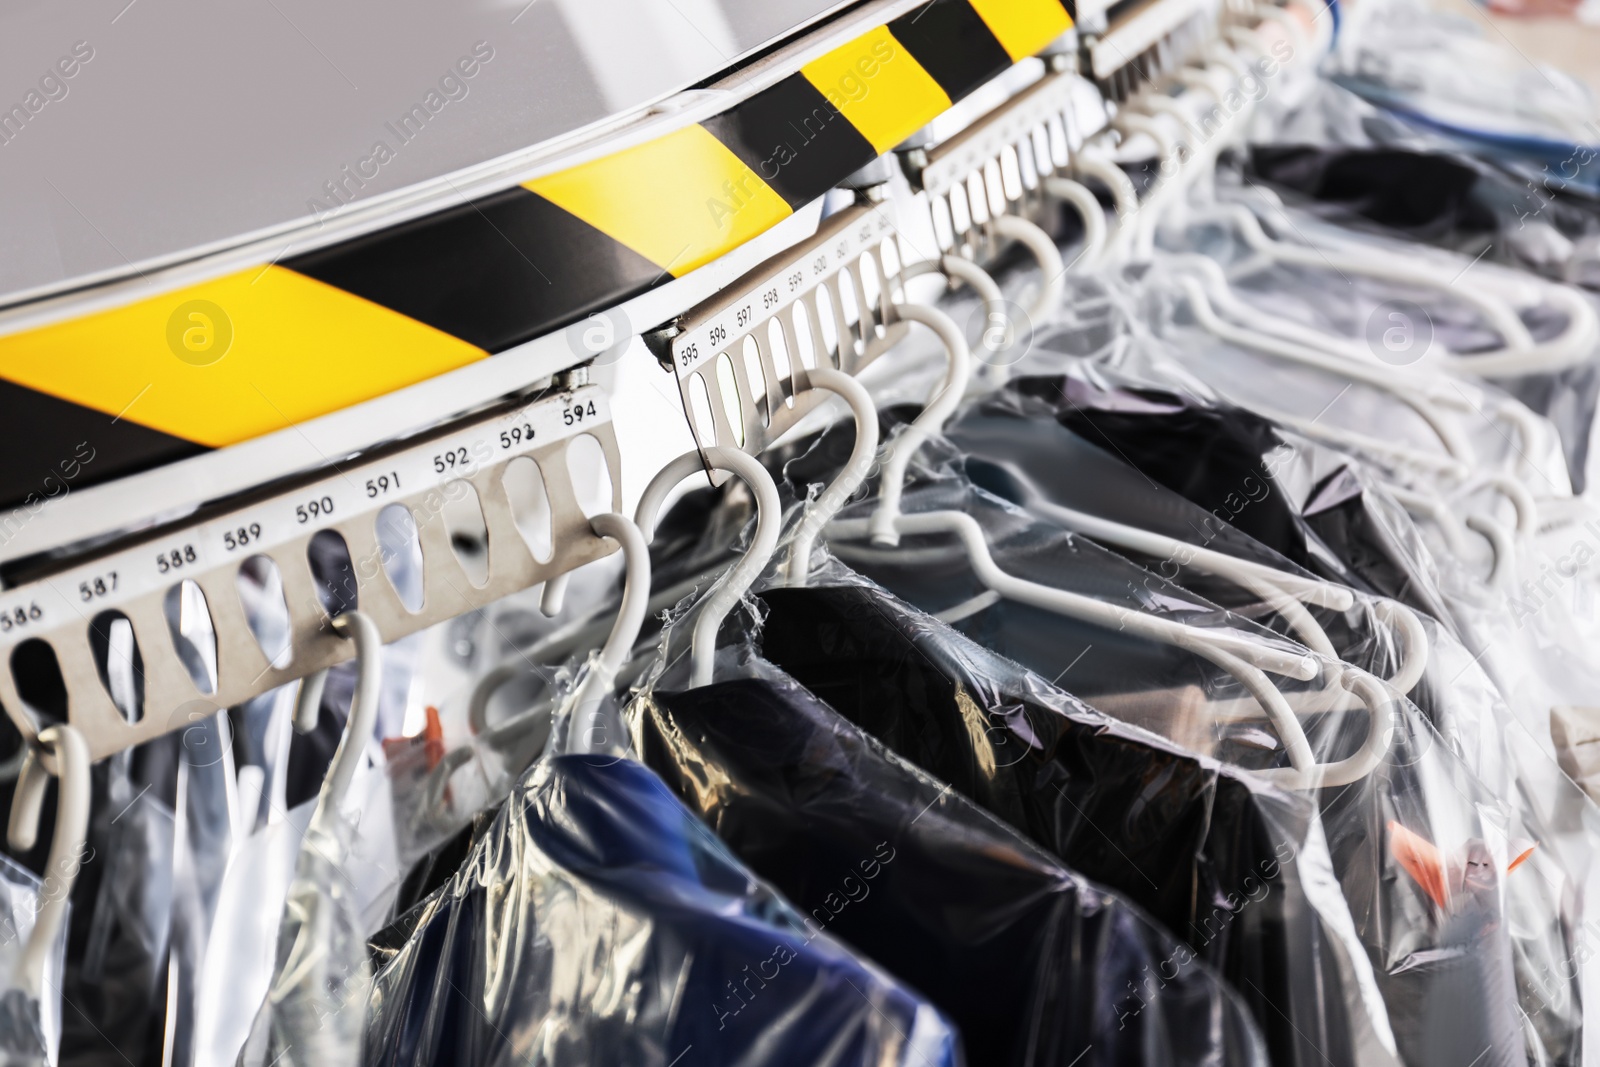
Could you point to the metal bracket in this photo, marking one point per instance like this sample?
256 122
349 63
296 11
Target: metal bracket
143 583
996 164
743 387
1145 42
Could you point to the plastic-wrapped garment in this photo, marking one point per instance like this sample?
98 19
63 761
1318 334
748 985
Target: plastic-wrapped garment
1469 203
1361 312
1235 867
313 1013
1422 194
1365 316
236 968
1034 964
1422 786
1443 72
1035 462
346 873
117 951
1539 216
1243 470
1535 643
30 1026
598 921
1542 902
203 843
1013 446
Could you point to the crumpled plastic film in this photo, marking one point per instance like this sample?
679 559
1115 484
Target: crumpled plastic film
30 1026
1484 744
314 1011
1034 963
596 920
1216 855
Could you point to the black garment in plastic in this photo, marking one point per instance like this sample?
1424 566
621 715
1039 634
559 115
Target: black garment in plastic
1470 205
1202 453
1421 784
1034 964
439 864
1013 447
1426 194
954 708
1214 454
598 921
1209 851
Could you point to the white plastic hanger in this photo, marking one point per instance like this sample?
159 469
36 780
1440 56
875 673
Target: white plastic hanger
598 681
601 678
1286 593
733 584
62 752
819 512
1298 343
1520 354
347 758
301 982
1245 659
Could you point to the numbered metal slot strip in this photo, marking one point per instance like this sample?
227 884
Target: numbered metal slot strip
741 358
1146 43
998 164
152 638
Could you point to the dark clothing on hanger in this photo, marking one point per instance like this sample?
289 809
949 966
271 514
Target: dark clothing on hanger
1208 851
1221 457
1034 964
598 921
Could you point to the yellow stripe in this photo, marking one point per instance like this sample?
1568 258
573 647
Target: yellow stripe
680 200
232 359
1023 26
879 87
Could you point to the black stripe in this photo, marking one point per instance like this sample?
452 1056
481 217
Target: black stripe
953 44
794 139
494 272
1071 7
56 447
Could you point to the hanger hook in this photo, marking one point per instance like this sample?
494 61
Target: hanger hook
822 510
733 584
602 677
359 628
931 421
60 750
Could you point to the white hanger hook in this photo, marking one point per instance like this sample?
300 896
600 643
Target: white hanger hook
1052 271
63 747
733 584
837 494
1087 205
358 627
602 677
982 283
931 421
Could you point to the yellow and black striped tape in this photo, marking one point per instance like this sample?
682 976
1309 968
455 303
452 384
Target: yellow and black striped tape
268 347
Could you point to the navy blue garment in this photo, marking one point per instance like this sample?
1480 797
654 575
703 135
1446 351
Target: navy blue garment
1035 964
597 921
